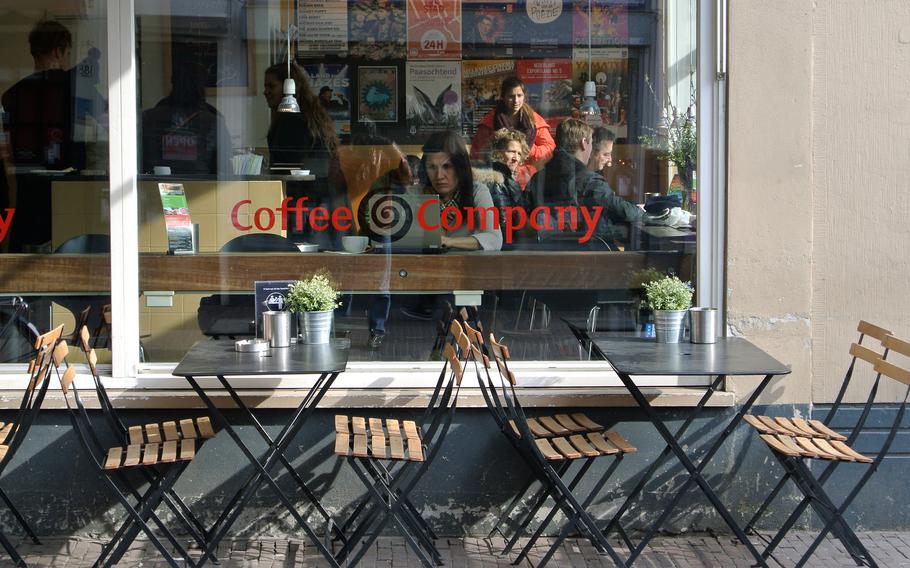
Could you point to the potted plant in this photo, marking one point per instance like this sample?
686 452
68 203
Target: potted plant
670 298
314 301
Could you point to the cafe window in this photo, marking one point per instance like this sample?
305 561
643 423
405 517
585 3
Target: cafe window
54 185
400 130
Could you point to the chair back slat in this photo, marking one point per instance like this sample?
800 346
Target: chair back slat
454 363
60 353
85 336
49 338
893 371
898 345
67 379
872 330
499 350
864 353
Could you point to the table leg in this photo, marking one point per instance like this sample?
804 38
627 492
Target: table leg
694 471
317 391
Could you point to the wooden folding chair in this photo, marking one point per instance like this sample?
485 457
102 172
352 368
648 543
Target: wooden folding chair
391 456
798 426
165 459
12 434
550 449
798 443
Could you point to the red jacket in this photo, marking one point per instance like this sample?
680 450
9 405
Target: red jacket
542 148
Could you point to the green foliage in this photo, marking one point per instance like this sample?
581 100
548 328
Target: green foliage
639 278
669 293
675 138
315 294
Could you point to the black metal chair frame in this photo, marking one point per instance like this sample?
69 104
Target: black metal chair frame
812 485
19 316
120 432
142 511
865 329
39 372
511 417
389 488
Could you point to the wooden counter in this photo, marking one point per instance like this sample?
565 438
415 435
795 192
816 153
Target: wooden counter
510 270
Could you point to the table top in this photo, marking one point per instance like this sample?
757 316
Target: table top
209 358
729 356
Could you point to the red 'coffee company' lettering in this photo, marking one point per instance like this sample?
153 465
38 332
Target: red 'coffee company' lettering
5 222
473 218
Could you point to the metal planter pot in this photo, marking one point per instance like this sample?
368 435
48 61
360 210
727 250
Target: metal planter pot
315 327
668 324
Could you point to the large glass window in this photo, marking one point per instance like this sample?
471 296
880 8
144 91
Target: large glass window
54 188
533 159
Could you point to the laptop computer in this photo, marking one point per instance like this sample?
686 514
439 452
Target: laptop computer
398 223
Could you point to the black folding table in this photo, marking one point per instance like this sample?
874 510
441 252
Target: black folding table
218 359
729 357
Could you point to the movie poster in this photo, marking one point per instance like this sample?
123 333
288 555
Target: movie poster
610 72
434 97
377 94
434 29
490 29
332 84
548 83
480 82
546 29
323 28
609 23
378 29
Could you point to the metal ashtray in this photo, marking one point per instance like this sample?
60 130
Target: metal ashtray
251 345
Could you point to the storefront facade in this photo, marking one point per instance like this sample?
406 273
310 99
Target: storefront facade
793 241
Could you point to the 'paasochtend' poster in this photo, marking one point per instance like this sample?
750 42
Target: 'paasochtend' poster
433 97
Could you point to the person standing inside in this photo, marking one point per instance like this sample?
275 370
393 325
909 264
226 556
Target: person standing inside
512 111
40 117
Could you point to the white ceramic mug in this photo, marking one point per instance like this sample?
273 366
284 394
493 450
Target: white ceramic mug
354 244
162 170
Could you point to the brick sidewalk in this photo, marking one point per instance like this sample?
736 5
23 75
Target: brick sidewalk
889 549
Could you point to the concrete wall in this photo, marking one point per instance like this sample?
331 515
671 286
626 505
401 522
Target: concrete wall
818 156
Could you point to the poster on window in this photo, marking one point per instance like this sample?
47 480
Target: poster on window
323 28
490 29
434 29
610 73
480 82
332 84
546 29
377 94
548 83
609 21
378 29
433 97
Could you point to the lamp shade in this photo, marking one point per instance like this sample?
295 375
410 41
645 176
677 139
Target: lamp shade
289 101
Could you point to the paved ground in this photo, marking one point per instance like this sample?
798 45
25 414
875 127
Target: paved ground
889 549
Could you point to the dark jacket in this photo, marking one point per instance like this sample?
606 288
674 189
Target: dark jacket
565 181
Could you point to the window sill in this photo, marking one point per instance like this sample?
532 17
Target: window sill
407 398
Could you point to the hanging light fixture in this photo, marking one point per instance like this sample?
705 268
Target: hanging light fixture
289 101
589 111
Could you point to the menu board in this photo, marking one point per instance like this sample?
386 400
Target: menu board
377 94
272 295
434 29
433 97
177 220
323 27
331 82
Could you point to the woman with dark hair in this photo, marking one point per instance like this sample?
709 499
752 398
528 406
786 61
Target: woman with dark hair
447 168
513 112
306 139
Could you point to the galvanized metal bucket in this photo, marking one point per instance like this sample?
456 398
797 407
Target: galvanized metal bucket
669 325
315 327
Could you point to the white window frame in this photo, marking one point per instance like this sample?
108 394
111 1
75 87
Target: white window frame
124 214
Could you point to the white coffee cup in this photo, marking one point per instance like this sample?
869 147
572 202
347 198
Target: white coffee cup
162 170
354 244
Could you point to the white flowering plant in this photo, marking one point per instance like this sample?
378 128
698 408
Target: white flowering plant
315 294
669 293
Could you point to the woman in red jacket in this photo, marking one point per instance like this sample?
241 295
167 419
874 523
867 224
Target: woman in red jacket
513 112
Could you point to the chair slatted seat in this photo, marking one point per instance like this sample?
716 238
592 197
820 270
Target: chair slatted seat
134 455
377 438
797 441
